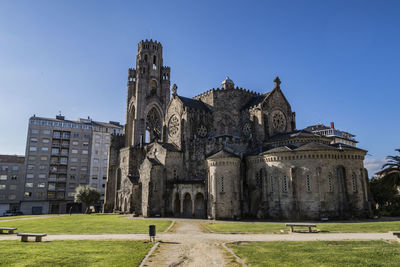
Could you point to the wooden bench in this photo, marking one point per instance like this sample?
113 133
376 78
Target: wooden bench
8 230
396 233
24 236
308 225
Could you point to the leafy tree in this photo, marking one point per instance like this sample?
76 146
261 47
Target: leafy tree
87 195
385 189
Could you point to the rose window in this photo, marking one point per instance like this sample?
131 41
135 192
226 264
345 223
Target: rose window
173 125
278 121
202 131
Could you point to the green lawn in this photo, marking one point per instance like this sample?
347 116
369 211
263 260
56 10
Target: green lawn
87 224
73 253
342 227
319 253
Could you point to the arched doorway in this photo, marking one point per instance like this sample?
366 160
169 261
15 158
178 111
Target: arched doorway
187 205
177 205
199 206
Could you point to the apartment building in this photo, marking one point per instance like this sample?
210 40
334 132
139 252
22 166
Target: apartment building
58 159
11 182
99 157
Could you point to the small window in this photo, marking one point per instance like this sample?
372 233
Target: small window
46 131
15 168
285 184
29 176
42 176
2 186
39 194
271 184
43 158
29 185
330 183
3 177
28 194
41 185
35 131
11 197
32 148
46 140
222 184
13 187
45 149
85 152
308 183
34 140
75 143
354 182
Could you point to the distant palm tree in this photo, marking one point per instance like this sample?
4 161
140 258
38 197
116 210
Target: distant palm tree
391 170
392 165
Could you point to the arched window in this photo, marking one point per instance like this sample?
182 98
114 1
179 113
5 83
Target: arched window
154 62
308 183
145 58
354 182
285 184
153 125
271 184
330 183
153 87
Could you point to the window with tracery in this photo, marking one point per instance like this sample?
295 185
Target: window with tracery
330 183
153 124
173 125
354 182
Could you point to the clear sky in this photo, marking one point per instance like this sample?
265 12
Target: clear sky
338 60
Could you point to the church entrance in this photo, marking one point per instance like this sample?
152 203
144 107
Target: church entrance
177 206
187 205
199 206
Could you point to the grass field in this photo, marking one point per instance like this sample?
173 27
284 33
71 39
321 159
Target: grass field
342 227
319 253
73 253
87 224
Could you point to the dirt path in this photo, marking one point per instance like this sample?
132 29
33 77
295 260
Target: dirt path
30 218
183 250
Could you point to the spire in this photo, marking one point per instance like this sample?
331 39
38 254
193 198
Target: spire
174 90
277 82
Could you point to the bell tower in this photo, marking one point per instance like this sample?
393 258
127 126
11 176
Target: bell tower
148 95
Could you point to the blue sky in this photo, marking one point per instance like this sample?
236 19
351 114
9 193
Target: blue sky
338 60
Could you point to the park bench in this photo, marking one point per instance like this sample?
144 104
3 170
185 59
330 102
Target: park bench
396 233
8 230
308 225
24 236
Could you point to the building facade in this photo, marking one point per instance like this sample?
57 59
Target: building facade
337 136
101 140
58 159
11 182
224 154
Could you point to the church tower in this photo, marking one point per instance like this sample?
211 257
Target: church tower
148 95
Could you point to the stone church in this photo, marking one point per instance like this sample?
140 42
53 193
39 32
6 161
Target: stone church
227 153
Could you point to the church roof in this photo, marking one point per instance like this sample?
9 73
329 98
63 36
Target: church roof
314 146
296 133
154 161
194 104
223 154
254 101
